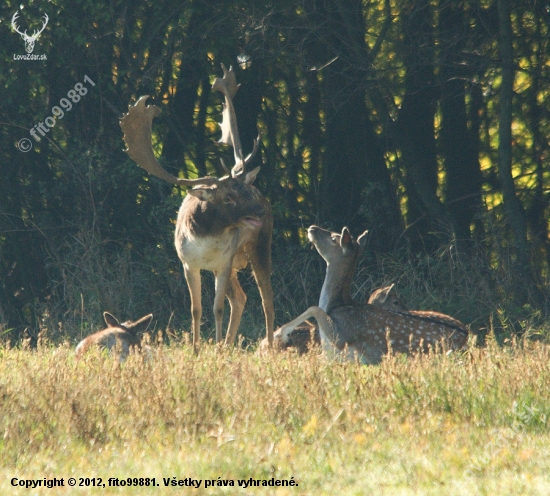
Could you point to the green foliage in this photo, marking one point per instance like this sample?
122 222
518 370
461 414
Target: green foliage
358 104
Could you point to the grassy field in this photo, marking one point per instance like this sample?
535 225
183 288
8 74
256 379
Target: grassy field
471 423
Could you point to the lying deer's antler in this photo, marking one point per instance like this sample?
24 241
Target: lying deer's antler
137 127
230 132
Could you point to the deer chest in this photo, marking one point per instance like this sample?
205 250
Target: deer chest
210 252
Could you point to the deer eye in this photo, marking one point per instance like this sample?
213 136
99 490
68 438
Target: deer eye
227 199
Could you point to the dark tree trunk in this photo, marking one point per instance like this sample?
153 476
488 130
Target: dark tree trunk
459 147
515 213
312 134
356 188
293 158
200 142
536 212
463 173
178 144
416 121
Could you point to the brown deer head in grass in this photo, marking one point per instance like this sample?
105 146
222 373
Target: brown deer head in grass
117 337
386 298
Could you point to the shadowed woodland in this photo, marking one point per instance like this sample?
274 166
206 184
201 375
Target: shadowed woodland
426 122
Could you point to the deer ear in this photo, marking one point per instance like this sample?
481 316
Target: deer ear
386 292
345 238
362 240
140 325
203 194
110 320
250 176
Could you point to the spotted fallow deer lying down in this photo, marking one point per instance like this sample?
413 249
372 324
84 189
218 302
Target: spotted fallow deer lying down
223 223
118 337
306 335
361 329
386 298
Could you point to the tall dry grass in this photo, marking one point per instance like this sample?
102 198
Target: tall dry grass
466 423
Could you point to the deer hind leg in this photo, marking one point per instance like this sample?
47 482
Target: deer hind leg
237 300
260 260
222 285
193 278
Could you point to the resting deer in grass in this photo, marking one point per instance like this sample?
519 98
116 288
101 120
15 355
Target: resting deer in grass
118 337
361 329
386 298
306 335
223 223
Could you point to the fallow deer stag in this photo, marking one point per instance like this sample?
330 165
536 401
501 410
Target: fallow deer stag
223 223
120 337
366 331
386 298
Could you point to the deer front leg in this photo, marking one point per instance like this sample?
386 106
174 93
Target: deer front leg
325 329
222 285
237 300
193 278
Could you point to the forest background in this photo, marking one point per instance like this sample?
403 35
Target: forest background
426 122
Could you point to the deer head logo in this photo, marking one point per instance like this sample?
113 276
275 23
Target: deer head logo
29 40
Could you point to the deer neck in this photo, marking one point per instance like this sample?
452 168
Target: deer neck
202 219
336 289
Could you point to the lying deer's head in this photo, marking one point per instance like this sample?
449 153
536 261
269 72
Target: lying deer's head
131 329
337 248
386 298
117 336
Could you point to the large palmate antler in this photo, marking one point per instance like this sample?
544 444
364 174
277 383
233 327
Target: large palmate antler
137 126
230 132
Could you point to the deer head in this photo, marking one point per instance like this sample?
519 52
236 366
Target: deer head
386 298
137 127
123 336
332 246
340 252
29 40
